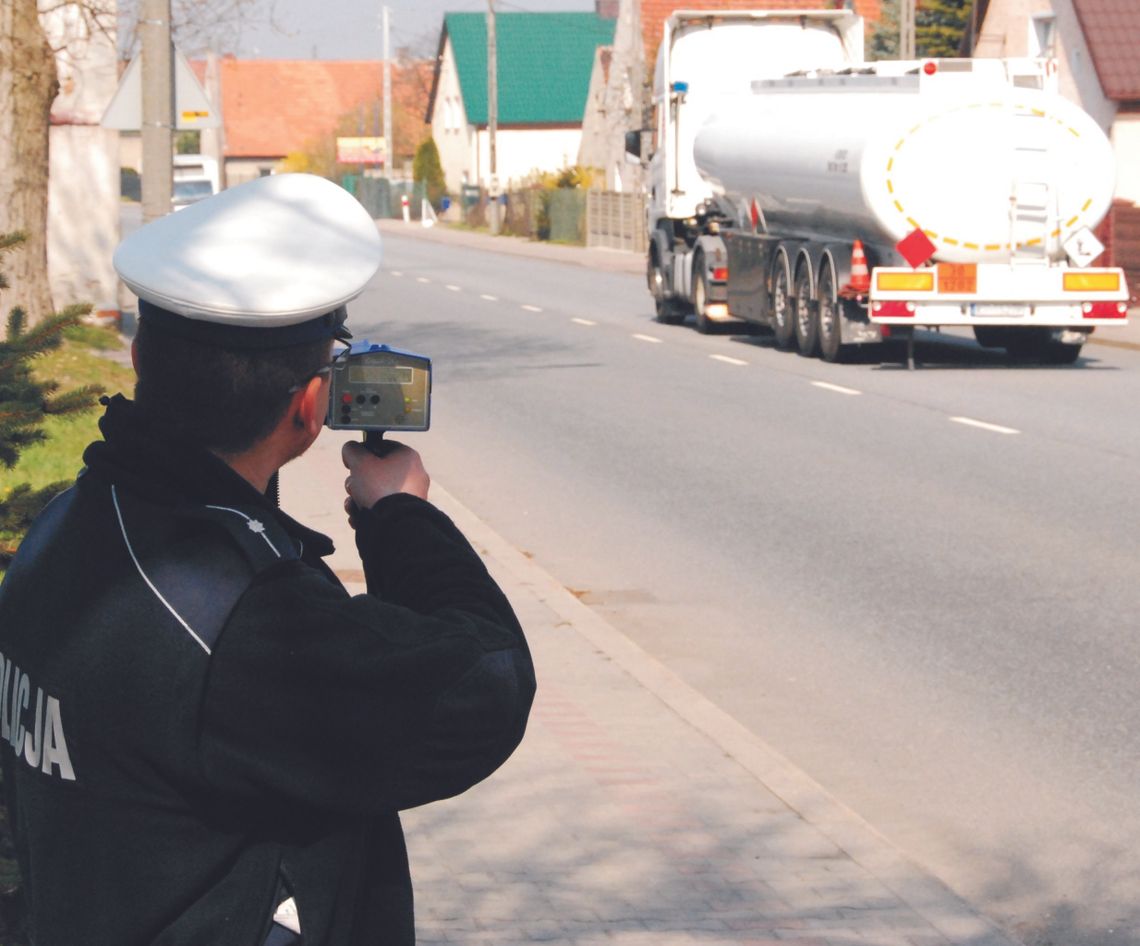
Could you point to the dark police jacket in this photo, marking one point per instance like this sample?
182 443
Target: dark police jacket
199 722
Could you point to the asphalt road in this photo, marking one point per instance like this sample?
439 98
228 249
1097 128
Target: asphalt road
921 587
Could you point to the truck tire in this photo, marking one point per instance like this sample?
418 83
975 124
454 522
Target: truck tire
806 315
1060 354
831 347
705 325
990 336
668 311
783 326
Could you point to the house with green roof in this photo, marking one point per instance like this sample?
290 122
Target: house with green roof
544 65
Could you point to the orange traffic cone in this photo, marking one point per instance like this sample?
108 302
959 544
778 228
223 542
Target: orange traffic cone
860 274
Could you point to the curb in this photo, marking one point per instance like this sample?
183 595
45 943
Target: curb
928 897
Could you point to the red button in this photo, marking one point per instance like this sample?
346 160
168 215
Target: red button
346 398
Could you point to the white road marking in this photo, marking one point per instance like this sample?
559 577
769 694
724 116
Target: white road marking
583 321
727 360
532 308
489 298
981 424
647 338
396 272
422 279
454 288
837 388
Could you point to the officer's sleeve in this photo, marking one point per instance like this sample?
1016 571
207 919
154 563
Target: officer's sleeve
408 694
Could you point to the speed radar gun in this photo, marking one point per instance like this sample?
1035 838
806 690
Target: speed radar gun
375 388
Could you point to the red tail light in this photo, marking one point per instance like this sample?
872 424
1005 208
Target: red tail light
720 273
894 310
1105 310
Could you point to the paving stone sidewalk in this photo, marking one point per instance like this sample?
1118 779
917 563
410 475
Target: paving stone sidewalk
635 812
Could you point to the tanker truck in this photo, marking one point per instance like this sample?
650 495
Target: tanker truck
839 202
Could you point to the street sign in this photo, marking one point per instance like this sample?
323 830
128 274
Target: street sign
361 150
192 108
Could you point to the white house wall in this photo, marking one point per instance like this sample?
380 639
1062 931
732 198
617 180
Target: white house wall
1126 141
83 186
465 151
453 136
519 152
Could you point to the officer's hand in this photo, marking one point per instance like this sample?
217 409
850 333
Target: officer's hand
371 478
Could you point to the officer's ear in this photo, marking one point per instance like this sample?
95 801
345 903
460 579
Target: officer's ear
311 405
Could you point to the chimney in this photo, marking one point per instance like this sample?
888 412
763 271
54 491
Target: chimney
607 9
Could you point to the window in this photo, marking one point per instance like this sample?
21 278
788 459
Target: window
1042 36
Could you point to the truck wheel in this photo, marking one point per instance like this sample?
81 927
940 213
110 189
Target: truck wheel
668 312
705 325
1060 354
990 336
806 315
831 346
783 326
1024 344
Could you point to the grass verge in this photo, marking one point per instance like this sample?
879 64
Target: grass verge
80 360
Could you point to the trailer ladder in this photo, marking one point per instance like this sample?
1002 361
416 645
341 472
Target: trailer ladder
1033 204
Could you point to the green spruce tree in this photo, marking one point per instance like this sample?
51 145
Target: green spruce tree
427 168
25 402
939 26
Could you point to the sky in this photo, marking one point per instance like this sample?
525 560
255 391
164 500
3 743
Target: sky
350 29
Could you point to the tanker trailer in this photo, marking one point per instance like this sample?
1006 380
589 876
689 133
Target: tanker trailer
859 202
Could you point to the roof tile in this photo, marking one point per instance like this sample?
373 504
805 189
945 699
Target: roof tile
545 61
1112 30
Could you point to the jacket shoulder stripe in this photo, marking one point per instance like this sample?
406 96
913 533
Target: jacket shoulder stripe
126 538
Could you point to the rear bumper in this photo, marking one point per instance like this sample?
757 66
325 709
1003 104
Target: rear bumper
999 294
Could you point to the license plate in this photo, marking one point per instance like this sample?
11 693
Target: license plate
999 310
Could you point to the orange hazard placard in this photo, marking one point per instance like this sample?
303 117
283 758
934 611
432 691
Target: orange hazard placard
958 277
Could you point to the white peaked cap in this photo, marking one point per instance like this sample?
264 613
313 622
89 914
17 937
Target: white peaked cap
275 252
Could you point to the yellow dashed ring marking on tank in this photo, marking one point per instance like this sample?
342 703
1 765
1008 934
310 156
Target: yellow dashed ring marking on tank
950 241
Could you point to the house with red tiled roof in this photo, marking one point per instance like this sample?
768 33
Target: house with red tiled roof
1095 44
271 108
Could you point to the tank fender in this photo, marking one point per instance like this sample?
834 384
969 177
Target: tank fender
710 249
855 328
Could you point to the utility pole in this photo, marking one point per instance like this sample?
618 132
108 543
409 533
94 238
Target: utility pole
906 29
492 115
157 109
389 151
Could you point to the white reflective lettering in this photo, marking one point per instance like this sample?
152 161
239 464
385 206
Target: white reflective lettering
54 745
19 704
5 732
34 740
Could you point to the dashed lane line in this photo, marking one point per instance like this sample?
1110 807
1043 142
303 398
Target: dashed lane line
837 388
583 321
531 308
489 298
646 338
396 272
728 360
422 279
454 288
982 425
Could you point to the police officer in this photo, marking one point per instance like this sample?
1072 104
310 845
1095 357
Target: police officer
205 738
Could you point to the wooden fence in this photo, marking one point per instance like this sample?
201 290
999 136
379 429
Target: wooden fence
615 220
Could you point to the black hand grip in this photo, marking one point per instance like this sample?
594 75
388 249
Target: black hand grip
374 441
